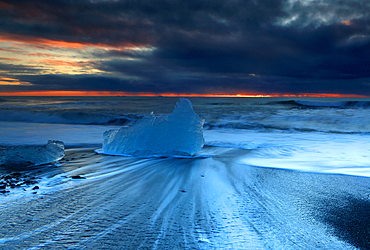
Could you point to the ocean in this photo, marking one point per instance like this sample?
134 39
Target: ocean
275 173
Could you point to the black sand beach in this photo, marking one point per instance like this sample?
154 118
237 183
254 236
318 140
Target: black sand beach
92 201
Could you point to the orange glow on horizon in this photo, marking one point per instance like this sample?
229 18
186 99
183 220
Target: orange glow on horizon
63 62
12 81
346 22
41 54
10 59
146 94
43 42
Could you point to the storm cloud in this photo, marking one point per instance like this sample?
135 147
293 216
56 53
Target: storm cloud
266 46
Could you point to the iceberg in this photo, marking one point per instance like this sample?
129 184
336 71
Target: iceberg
176 134
32 154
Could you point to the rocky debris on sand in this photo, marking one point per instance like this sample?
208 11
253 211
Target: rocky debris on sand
76 177
16 179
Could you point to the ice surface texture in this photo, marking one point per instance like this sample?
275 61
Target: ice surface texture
32 154
179 133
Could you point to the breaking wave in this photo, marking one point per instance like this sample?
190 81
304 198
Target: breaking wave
84 104
299 126
326 104
67 117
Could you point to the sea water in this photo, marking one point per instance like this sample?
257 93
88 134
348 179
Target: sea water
327 135
279 173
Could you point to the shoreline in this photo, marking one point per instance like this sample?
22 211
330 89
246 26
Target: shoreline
212 198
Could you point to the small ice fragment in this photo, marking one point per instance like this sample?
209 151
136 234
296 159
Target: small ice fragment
203 240
32 154
179 133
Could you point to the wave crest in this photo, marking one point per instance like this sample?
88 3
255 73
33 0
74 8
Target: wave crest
67 117
327 104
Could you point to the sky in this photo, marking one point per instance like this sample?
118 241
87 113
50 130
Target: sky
185 47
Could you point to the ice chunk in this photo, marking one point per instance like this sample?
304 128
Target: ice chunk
32 154
179 133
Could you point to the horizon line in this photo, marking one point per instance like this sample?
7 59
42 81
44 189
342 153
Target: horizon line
148 94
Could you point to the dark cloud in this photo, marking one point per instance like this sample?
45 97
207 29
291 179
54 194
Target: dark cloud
201 46
164 82
10 69
325 12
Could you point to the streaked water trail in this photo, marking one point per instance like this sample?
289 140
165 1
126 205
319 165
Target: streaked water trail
163 203
276 173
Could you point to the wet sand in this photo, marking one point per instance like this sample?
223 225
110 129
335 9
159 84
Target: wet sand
92 201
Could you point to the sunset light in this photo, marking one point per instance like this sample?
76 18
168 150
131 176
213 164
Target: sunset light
197 124
58 48
117 93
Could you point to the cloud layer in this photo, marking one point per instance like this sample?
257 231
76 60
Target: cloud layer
202 46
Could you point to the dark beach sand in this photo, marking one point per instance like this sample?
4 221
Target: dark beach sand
91 201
